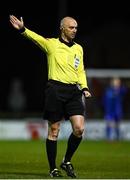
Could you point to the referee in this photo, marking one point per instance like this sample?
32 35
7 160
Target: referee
66 84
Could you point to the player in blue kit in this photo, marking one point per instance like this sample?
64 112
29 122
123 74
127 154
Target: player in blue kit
113 107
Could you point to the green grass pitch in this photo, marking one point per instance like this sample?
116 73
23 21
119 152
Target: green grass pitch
93 159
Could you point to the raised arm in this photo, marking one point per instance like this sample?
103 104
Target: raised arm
16 23
44 43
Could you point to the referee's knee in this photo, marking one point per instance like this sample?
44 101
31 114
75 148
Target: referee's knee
53 133
78 132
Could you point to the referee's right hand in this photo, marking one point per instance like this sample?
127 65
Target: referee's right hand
16 23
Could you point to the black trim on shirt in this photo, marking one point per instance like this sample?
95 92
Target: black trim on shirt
71 43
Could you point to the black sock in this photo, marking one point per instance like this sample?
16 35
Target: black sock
51 149
73 143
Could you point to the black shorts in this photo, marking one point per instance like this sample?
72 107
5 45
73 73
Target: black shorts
62 101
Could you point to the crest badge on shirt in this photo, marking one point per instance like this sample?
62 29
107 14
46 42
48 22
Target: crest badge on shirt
76 61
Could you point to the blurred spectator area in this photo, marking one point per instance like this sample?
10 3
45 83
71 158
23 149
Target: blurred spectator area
98 80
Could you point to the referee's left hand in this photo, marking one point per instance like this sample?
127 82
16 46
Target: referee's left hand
87 94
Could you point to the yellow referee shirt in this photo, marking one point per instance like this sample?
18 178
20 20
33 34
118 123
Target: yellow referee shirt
65 64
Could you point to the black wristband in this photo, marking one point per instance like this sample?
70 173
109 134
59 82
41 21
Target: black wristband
22 30
85 89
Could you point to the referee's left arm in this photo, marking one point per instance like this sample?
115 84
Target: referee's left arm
82 79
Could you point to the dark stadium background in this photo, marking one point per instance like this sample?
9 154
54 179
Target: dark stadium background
104 32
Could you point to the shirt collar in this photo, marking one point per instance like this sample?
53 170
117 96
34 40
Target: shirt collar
66 43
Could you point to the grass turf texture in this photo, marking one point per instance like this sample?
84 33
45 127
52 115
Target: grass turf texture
93 160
